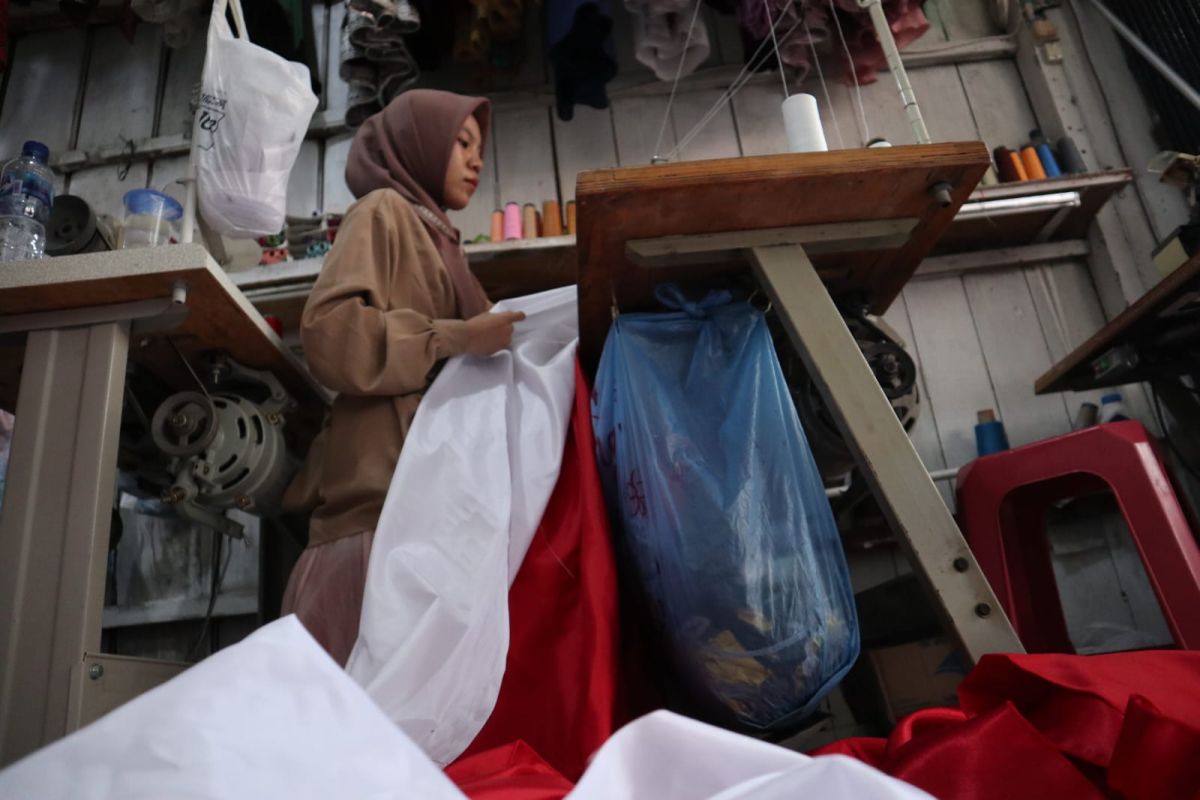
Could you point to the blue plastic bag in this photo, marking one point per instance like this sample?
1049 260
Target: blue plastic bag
724 513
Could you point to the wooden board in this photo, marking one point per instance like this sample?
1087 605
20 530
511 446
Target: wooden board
1145 319
617 205
220 317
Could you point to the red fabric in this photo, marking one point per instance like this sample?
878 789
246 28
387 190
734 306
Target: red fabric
559 690
1054 726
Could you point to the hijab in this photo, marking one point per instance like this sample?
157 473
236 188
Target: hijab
407 147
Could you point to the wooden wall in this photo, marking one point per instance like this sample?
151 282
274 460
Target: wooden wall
980 339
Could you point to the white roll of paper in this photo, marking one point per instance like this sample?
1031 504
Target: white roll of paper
802 121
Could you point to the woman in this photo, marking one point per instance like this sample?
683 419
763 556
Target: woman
395 298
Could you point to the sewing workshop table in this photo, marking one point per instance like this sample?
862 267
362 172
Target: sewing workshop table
851 224
76 321
1170 306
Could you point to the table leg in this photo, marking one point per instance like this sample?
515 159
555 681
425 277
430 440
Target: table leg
884 452
55 524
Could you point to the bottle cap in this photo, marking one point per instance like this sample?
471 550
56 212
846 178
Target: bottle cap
37 150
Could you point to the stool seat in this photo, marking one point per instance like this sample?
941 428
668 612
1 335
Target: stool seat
1004 500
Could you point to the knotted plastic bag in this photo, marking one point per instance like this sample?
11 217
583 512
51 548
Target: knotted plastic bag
254 111
724 513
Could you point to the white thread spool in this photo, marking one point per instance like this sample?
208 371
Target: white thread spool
802 121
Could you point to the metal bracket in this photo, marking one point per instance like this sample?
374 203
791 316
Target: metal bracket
145 315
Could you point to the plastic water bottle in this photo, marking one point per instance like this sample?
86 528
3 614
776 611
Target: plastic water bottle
1112 409
26 194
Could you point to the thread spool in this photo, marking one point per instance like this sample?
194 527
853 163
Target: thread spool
1072 160
1045 154
571 217
529 221
802 121
512 222
497 226
1033 164
1009 164
552 224
989 434
1049 162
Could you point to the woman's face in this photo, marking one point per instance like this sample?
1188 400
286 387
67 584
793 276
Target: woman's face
466 162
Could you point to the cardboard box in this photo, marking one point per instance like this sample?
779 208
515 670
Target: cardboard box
917 675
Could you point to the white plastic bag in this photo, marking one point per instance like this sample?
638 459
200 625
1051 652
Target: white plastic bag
255 107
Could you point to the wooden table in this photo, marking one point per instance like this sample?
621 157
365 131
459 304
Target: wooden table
851 223
82 319
1167 308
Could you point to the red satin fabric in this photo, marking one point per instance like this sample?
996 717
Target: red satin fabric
1054 726
559 692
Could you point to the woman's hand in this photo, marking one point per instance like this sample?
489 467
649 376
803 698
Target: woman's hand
490 332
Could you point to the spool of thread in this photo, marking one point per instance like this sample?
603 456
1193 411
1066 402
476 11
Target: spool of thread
1086 417
529 221
1049 162
1033 164
1072 160
802 121
1009 164
512 222
497 226
989 434
552 224
571 217
1045 154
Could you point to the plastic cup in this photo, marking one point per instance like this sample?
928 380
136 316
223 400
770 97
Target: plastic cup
150 218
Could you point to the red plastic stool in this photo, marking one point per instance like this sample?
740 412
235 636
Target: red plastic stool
1003 502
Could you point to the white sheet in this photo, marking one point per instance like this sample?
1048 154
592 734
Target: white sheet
271 717
473 480
274 717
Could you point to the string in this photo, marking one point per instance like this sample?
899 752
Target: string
778 57
837 129
675 84
862 111
743 77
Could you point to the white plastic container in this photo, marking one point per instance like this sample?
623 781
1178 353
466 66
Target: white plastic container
150 219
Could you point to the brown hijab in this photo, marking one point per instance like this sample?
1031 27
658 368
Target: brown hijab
407 147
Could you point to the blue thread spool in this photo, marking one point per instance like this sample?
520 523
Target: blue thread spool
989 434
1045 154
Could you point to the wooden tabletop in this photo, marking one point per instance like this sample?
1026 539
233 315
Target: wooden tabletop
220 318
745 194
1170 304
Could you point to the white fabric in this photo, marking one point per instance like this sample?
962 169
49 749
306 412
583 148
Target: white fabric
271 717
274 717
669 757
660 31
473 480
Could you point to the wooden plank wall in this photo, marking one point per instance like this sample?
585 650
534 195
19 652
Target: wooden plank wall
980 339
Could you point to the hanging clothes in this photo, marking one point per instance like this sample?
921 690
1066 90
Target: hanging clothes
579 35
435 37
285 27
661 36
907 21
374 60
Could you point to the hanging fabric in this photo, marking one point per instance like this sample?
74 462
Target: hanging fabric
907 21
374 59
563 621
579 37
664 33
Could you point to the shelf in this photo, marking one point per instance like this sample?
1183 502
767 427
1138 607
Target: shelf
513 268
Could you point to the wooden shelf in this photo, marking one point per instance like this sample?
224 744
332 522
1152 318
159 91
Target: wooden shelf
514 268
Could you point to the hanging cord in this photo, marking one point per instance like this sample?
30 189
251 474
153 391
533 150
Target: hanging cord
837 129
778 57
216 578
675 84
862 111
752 65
